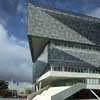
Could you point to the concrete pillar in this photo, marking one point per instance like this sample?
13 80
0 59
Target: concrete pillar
51 68
37 88
40 85
63 68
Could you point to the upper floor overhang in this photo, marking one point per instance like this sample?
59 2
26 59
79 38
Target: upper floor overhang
37 45
61 75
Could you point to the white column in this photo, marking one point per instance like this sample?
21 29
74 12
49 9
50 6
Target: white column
37 88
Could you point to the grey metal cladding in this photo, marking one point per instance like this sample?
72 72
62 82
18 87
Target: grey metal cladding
88 28
42 24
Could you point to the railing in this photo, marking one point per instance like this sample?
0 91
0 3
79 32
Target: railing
74 66
69 92
71 69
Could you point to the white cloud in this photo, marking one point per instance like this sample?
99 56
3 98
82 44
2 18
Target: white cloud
95 13
15 59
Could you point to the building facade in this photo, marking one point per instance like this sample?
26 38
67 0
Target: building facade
65 49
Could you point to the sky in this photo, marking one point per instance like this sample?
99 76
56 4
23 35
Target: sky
15 57
88 7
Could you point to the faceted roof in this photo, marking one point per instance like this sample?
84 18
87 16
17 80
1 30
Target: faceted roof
49 24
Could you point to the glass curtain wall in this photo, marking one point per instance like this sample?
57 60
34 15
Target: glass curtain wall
60 60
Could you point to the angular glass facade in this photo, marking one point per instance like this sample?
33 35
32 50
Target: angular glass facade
65 49
41 65
72 41
73 59
63 56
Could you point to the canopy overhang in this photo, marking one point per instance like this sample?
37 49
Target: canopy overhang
37 45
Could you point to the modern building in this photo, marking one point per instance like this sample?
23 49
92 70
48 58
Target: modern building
65 49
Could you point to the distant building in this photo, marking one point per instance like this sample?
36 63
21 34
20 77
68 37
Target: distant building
19 86
65 49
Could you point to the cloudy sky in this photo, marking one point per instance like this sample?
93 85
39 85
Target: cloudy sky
89 7
15 58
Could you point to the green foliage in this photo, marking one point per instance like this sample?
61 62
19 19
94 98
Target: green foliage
3 85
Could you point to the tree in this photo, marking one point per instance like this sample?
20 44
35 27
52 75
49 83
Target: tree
3 85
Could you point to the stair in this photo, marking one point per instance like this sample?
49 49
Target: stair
60 93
